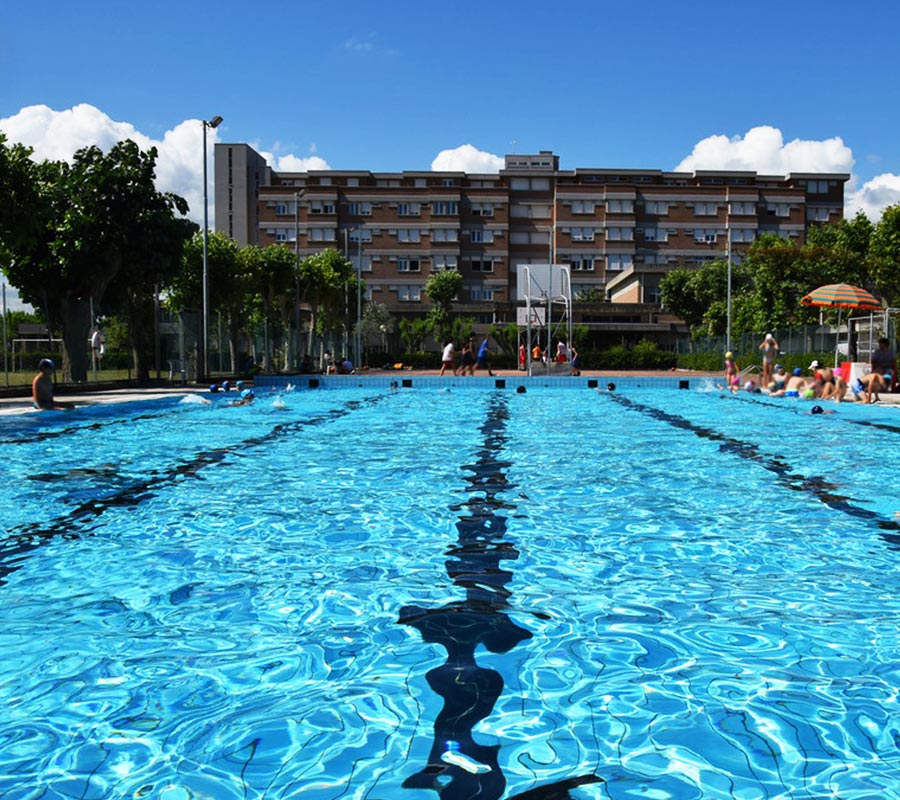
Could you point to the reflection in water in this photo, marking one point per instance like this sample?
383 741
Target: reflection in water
469 692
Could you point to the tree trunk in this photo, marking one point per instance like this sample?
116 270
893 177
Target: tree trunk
75 318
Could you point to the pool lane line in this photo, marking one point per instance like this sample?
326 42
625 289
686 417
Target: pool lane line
865 423
29 437
816 486
18 542
469 691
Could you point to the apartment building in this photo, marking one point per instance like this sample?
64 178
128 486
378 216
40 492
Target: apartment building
619 230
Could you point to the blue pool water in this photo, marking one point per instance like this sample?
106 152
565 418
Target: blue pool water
639 594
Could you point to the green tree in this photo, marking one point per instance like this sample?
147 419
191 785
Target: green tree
326 279
885 255
414 332
442 289
271 273
98 219
592 295
227 283
377 324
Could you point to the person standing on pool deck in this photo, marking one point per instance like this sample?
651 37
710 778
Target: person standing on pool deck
42 388
448 357
484 357
769 349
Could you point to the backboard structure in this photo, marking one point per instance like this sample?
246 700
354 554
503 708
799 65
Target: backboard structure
544 288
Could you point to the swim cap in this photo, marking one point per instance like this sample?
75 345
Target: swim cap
887 376
239 385
798 372
225 386
46 363
729 354
213 387
817 410
611 387
778 368
248 393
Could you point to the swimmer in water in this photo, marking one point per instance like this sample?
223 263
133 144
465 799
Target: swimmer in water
42 388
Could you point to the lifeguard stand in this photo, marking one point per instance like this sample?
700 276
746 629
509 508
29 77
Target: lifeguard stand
545 289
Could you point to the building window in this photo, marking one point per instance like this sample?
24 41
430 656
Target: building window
408 209
703 236
481 236
655 235
439 263
408 236
652 294
364 263
408 264
583 206
817 187
321 234
481 294
445 235
581 263
779 209
743 235
321 207
444 208
281 236
620 206
582 234
409 294
448 183
705 209
361 209
281 209
482 265
482 209
617 262
658 208
743 209
360 235
620 234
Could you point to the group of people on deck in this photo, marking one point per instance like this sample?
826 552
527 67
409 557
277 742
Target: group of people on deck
823 383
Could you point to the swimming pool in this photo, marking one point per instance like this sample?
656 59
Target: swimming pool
644 593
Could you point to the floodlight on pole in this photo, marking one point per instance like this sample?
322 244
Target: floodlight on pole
204 360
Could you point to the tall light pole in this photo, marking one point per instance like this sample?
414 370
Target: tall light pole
204 361
358 298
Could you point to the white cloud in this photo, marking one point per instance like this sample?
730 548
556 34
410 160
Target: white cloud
763 150
874 196
466 158
56 135
13 301
291 163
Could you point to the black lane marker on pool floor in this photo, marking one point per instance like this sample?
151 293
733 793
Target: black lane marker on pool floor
22 540
469 691
816 486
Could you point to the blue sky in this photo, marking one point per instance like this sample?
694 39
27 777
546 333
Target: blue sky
388 86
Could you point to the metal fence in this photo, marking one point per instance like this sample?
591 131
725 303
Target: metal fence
855 340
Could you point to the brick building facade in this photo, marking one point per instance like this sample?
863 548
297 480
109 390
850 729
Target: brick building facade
619 230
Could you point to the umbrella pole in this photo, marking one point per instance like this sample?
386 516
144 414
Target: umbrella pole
837 338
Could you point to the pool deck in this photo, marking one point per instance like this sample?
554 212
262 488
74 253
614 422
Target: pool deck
21 403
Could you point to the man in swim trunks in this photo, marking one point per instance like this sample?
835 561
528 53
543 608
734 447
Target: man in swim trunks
867 387
42 388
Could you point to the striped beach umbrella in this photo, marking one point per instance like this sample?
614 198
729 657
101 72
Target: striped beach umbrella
842 295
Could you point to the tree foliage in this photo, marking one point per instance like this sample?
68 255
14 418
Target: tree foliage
442 289
82 228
